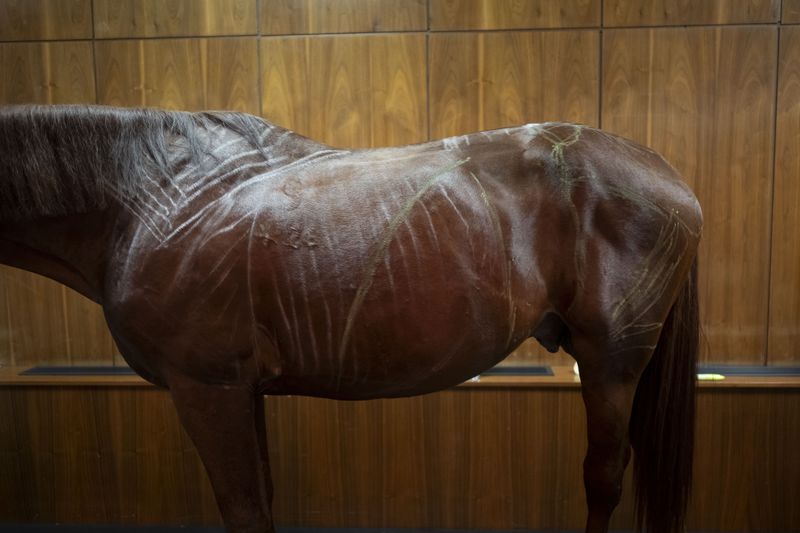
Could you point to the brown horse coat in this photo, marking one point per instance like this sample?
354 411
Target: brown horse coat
235 258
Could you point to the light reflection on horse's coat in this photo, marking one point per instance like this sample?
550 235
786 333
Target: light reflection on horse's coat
235 258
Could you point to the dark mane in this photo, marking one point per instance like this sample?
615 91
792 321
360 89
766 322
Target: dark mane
58 160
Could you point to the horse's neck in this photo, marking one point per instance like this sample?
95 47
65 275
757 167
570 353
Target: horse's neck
70 249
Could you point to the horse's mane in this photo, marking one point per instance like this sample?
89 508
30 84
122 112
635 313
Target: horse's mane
58 160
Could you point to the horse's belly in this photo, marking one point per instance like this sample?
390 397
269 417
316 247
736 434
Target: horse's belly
384 285
394 328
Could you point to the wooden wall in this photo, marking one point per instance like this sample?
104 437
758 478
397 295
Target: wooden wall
480 457
713 85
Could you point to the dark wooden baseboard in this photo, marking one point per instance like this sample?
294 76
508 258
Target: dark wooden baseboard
485 456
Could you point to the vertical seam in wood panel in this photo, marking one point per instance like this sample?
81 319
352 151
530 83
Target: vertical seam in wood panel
142 76
602 14
600 67
650 46
371 92
481 89
67 339
772 192
428 15
258 58
17 421
203 50
428 84
94 59
47 70
8 324
601 37
93 396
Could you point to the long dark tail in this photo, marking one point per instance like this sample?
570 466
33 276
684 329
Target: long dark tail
662 421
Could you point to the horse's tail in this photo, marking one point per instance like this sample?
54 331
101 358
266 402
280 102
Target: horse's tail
662 420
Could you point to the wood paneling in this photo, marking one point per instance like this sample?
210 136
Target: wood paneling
703 97
791 12
677 12
342 16
745 442
45 19
353 90
191 74
33 318
88 338
513 14
46 73
464 458
482 81
176 18
784 296
36 321
99 455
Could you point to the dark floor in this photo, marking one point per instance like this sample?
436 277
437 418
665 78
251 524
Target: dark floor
57 528
62 528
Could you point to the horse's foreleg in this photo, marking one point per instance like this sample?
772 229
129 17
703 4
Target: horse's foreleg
608 391
226 424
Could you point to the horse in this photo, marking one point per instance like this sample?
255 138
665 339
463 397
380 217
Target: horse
234 258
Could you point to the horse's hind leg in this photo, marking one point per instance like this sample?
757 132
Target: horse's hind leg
226 424
608 385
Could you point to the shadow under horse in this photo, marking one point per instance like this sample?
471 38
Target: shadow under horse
234 258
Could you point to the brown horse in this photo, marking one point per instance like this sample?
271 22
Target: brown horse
234 258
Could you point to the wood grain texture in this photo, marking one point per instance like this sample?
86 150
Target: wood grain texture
466 458
481 81
174 18
43 322
791 11
342 16
784 295
677 12
46 73
32 319
354 90
742 447
36 323
188 74
45 19
513 14
703 97
88 338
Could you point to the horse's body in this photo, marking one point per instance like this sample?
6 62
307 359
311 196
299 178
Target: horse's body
238 259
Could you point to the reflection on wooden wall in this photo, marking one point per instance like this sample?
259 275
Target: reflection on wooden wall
464 458
697 81
351 90
784 310
704 97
